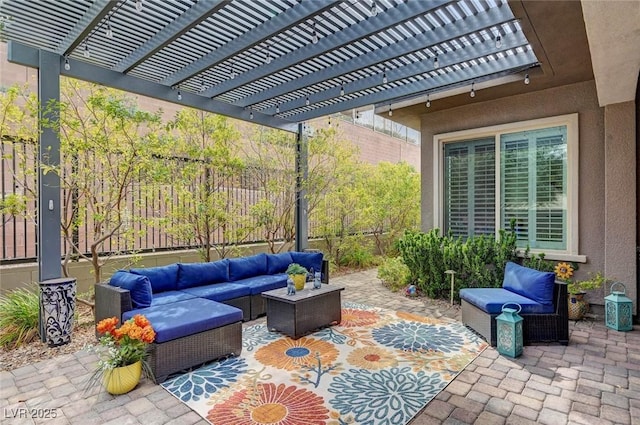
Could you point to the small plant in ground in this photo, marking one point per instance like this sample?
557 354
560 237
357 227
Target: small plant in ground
18 317
394 274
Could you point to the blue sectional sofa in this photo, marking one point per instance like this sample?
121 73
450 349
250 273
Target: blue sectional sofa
197 309
542 298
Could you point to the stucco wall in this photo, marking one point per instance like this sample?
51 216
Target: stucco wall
578 98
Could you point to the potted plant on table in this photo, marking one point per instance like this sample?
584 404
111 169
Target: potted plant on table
299 275
123 353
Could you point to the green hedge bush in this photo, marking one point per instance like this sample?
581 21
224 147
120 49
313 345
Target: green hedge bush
478 261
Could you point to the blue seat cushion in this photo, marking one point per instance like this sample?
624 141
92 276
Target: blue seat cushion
185 318
168 297
219 291
278 263
162 278
259 284
309 260
138 286
530 283
491 300
244 267
198 274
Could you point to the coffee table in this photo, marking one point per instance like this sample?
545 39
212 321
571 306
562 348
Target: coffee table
307 310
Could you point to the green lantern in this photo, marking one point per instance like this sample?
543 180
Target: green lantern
618 310
509 331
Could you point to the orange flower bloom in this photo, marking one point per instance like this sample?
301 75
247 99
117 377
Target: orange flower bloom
107 325
141 321
148 335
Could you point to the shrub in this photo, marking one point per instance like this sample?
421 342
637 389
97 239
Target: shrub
18 317
394 274
478 261
357 252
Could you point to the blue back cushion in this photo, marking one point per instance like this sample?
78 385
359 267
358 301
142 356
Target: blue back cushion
139 287
241 268
198 274
278 263
529 283
308 260
164 278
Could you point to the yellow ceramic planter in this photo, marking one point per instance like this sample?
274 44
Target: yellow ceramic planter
299 281
123 379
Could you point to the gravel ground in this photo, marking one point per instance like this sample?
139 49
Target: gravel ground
33 352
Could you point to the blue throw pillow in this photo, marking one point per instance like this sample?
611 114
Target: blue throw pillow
244 267
199 274
308 260
278 263
164 278
139 287
530 283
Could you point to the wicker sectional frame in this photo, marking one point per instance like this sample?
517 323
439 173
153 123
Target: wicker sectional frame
179 354
551 327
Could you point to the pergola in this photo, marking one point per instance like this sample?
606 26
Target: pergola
277 63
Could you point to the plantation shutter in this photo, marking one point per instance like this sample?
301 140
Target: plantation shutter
534 186
469 192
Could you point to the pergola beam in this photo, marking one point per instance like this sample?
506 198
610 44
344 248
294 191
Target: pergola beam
28 56
192 17
367 27
482 70
420 42
278 24
98 10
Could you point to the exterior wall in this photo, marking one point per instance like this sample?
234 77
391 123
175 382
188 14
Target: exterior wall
620 194
375 146
578 98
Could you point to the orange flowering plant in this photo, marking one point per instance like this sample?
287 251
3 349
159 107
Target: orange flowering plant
123 346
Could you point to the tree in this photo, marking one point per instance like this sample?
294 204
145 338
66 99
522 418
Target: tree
108 146
340 217
18 145
394 202
272 154
204 182
271 158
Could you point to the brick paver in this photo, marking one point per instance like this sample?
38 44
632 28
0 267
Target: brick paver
594 380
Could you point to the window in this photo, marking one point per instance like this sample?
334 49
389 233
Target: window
522 172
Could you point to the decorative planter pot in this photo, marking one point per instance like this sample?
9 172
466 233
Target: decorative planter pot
577 306
123 379
299 281
57 308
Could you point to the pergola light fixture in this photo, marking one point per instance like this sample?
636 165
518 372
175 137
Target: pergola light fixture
109 30
472 93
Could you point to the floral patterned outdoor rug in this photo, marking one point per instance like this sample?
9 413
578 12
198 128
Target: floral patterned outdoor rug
376 367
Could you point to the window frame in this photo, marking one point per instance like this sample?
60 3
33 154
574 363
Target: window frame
573 157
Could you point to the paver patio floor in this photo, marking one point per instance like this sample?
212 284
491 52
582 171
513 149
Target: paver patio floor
593 380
